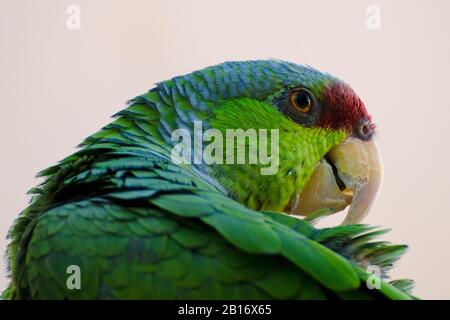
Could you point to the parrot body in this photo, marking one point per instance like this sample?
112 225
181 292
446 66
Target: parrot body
140 226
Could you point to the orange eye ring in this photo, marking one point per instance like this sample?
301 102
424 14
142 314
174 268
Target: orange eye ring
301 100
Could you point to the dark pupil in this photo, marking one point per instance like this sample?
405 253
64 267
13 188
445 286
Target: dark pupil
302 100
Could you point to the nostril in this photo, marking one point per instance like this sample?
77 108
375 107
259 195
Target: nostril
364 131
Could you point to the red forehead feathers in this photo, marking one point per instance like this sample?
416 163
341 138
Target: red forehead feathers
342 107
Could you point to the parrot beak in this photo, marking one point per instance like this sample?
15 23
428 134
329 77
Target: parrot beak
350 174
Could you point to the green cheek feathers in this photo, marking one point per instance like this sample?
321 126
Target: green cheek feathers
299 150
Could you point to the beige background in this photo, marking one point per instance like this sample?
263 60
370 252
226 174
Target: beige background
57 86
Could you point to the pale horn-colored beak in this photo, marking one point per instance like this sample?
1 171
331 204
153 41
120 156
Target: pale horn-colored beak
350 174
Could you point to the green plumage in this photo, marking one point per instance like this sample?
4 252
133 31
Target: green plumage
141 227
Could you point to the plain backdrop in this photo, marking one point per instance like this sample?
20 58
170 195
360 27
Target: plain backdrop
59 85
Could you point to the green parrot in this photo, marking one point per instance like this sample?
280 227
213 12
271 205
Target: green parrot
136 214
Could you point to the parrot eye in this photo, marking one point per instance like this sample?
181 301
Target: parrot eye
301 100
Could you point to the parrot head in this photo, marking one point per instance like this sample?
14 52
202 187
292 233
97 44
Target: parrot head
350 172
327 157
